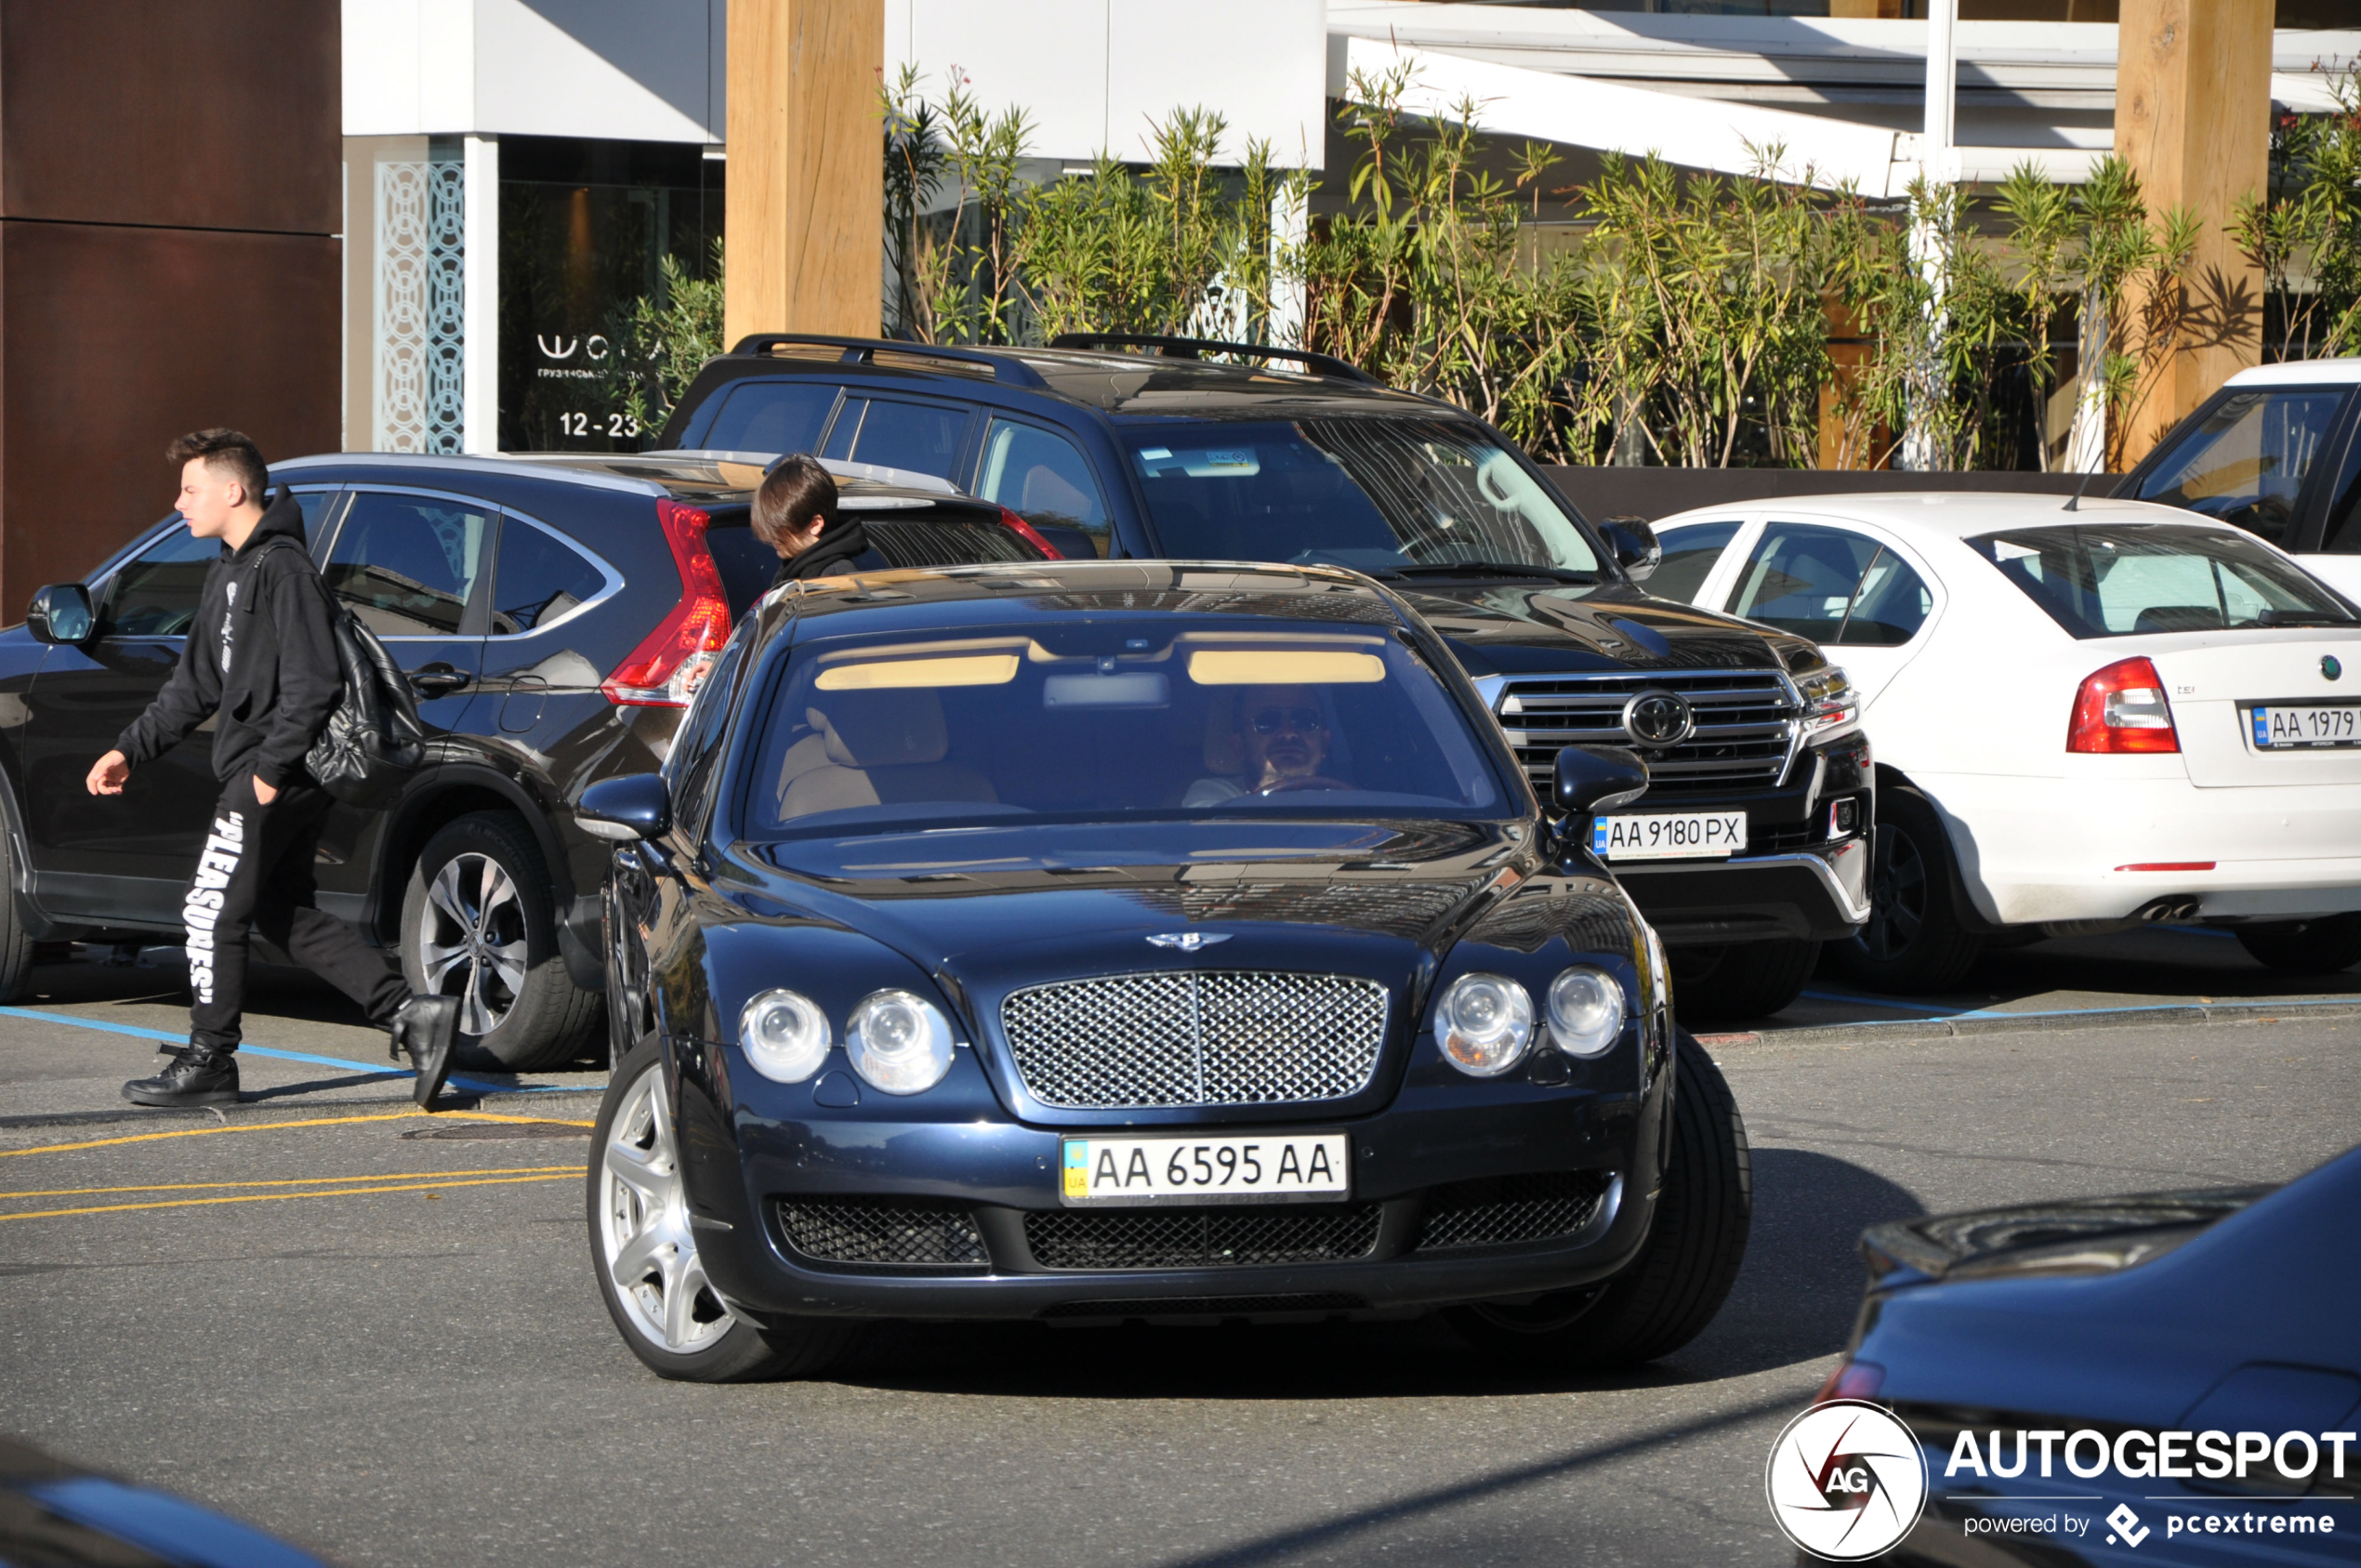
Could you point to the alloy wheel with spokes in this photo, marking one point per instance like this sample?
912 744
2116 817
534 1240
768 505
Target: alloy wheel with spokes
471 941
644 1238
1898 896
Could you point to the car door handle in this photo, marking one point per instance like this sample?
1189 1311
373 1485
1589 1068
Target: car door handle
437 681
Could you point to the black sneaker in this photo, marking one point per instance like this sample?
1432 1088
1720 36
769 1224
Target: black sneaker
197 1076
427 1027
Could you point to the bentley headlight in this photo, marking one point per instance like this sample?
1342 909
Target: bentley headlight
899 1043
784 1035
1586 1010
1484 1024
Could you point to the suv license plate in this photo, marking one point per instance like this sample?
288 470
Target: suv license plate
1255 1167
2301 726
1689 835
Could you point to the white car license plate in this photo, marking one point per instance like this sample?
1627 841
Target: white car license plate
2299 725
1251 1167
1687 836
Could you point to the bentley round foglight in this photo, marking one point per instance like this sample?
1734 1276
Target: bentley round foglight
784 1035
1484 1024
1586 1010
899 1043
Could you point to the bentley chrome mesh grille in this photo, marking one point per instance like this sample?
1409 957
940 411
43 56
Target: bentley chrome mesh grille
1206 1037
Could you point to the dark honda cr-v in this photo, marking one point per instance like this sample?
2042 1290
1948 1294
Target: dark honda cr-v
554 615
1750 847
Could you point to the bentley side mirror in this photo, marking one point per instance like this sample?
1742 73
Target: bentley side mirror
1633 540
62 612
1591 779
633 806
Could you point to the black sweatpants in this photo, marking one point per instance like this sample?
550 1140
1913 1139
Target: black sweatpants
255 869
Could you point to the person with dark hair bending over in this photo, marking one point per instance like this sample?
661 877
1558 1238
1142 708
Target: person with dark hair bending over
795 513
261 660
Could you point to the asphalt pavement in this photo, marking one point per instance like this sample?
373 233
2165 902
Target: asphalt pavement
374 1332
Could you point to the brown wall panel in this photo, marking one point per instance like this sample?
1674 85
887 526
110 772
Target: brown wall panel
112 341
213 115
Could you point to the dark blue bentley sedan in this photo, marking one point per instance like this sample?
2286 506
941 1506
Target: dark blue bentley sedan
1121 940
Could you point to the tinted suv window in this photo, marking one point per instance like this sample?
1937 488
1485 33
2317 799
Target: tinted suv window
542 580
2245 461
154 593
406 565
923 438
1042 477
771 416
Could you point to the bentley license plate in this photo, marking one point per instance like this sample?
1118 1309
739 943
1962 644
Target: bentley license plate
1244 1168
2301 726
1683 836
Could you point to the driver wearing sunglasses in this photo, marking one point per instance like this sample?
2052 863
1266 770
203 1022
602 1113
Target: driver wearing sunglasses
1282 734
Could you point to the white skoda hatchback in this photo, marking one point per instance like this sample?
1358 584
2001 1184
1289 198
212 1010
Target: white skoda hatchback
2083 719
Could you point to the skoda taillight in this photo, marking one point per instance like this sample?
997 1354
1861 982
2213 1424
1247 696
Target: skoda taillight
667 668
1024 530
2122 708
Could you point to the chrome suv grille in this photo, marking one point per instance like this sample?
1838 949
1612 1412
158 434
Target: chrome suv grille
1208 1037
1744 725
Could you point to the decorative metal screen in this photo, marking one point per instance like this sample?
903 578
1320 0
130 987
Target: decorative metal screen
421 305
1209 1037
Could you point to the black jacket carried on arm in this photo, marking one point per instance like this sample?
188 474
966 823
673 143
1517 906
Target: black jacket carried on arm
262 653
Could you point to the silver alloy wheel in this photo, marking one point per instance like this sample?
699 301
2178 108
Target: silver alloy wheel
473 924
644 1238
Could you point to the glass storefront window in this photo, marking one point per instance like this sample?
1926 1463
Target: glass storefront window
584 227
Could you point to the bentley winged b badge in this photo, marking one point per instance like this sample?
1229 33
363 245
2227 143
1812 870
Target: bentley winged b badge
1187 941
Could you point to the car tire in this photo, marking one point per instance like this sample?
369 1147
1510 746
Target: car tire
16 939
2326 946
1914 939
644 1252
1696 1243
1745 979
520 1010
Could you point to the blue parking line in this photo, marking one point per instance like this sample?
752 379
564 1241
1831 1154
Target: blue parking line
455 1081
2256 1004
1906 1007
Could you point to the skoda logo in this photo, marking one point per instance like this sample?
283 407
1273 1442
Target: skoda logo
2330 667
1657 718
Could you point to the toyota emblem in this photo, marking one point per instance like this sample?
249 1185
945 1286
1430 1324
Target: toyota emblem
1658 719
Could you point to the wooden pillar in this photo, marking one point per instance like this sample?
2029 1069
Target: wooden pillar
804 219
1890 10
2193 118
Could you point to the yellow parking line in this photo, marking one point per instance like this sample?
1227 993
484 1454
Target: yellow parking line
273 1126
566 1175
276 1181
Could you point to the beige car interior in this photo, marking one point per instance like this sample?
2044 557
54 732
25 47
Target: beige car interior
874 748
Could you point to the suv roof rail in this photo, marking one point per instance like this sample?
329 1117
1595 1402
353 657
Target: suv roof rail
1197 347
864 351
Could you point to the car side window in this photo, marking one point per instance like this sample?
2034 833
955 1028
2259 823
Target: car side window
1043 477
1689 554
540 580
694 761
154 593
2245 461
923 438
406 565
1819 582
771 416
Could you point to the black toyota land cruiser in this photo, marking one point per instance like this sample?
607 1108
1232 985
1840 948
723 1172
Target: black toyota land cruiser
1750 847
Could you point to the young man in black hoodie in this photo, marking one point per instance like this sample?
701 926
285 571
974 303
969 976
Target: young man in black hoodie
260 658
795 513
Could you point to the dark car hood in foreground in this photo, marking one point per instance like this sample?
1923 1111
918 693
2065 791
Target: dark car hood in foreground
1504 627
1002 901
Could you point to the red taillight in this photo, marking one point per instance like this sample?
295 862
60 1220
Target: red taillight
1024 530
2122 708
1852 1379
667 668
